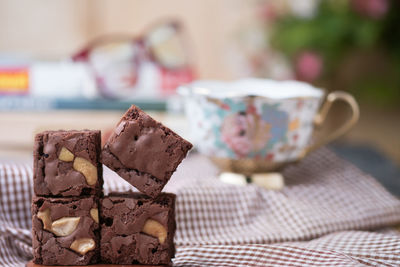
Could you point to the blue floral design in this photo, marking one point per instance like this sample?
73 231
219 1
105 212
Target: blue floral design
279 121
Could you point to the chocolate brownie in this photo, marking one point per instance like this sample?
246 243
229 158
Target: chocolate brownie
31 264
137 229
67 163
65 231
144 152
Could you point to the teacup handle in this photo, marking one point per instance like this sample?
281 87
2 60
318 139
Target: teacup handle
321 116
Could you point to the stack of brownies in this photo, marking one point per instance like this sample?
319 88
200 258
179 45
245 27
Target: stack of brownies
73 223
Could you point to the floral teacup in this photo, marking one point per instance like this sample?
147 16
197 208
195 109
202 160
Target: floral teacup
258 125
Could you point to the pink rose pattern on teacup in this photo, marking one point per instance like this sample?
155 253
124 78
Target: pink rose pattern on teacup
248 131
253 127
244 133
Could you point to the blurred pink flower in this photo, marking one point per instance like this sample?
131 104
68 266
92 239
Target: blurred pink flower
308 66
268 12
372 8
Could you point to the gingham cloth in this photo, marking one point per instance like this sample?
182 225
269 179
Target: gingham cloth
329 214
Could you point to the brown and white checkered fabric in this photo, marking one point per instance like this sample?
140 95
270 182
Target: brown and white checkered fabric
329 214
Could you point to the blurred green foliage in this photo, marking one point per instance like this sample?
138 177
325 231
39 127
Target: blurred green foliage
338 34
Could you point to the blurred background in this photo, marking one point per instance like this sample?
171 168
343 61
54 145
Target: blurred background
81 63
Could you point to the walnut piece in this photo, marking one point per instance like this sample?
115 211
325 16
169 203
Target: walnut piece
87 169
45 217
65 155
64 226
156 229
83 245
95 214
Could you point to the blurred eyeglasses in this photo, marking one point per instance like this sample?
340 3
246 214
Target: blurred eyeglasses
116 60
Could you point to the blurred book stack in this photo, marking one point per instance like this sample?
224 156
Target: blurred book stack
110 73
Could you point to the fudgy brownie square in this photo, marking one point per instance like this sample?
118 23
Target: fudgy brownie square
67 163
144 152
137 229
65 231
